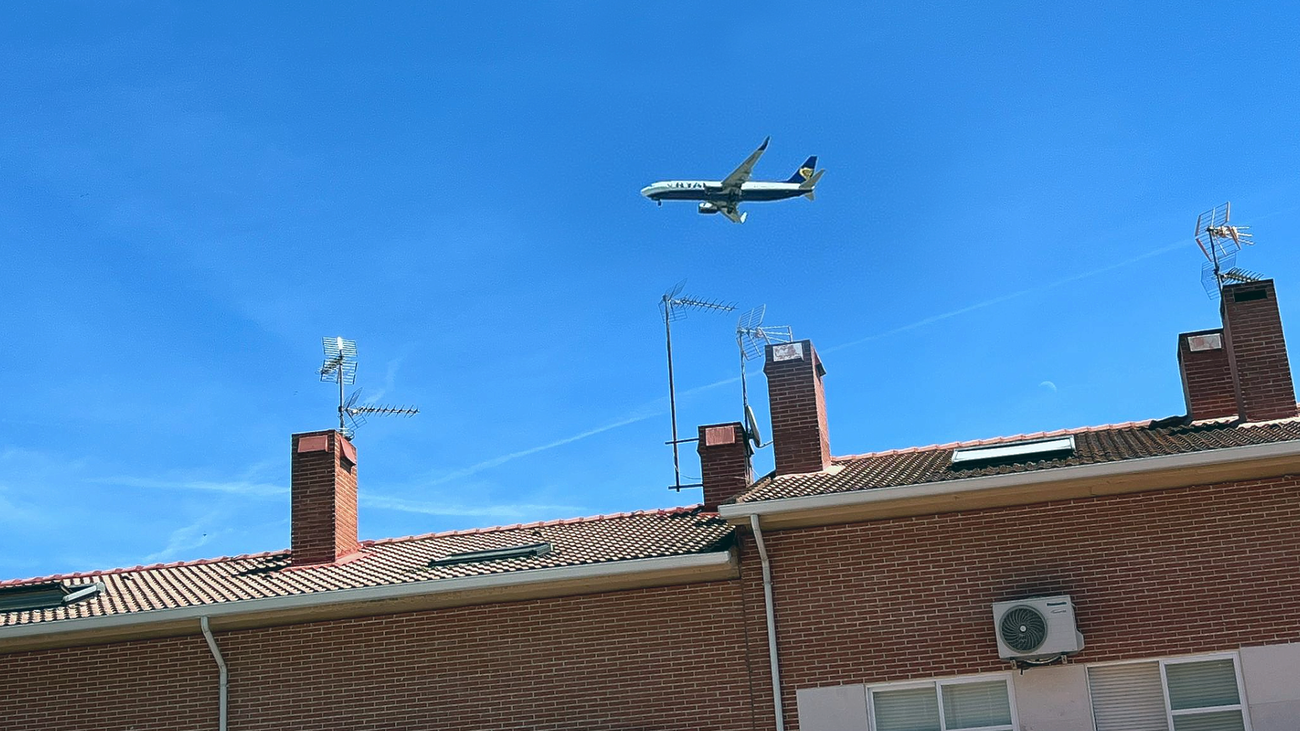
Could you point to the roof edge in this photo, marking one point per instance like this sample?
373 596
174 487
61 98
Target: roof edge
375 600
367 543
1023 488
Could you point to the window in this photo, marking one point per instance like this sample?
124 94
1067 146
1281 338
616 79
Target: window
978 702
1015 451
1183 694
45 595
494 554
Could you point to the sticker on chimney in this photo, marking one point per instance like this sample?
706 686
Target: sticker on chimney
1197 343
716 435
787 351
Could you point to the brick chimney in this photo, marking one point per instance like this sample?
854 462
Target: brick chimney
724 462
1252 327
1207 374
797 402
324 497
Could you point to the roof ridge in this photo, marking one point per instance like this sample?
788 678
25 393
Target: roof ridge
141 567
536 524
365 544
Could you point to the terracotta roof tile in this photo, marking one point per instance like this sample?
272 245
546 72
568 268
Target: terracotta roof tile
620 537
1093 445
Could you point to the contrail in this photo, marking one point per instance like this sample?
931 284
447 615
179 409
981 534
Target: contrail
1009 296
657 408
646 411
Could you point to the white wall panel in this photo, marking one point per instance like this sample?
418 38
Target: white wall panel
1271 675
1053 698
837 708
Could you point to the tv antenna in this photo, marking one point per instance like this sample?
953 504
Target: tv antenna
1220 241
752 338
340 366
674 306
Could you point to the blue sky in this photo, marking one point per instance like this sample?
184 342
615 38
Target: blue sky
191 197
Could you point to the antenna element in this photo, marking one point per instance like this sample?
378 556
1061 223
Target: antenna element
752 338
1220 241
674 306
340 366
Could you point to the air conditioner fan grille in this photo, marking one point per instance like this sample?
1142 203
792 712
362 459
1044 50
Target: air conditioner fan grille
1023 629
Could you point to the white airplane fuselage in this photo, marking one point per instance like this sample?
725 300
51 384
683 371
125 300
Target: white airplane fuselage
712 191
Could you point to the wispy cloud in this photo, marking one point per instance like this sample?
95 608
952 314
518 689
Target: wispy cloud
509 510
187 538
12 512
229 487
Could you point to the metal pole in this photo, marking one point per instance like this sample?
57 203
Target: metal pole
744 391
222 674
672 392
778 706
340 379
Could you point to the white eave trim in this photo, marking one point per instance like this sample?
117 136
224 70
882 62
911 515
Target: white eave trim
690 563
739 513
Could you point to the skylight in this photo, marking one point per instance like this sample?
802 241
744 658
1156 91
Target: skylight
1016 451
45 595
494 554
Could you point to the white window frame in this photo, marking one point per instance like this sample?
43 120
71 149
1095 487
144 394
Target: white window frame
1163 662
937 684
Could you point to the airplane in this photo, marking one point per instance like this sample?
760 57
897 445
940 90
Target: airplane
725 195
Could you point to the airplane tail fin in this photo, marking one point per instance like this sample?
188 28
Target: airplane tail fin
811 183
805 170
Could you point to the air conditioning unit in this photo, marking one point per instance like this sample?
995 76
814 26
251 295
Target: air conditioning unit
1036 629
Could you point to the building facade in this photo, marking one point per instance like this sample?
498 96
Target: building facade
837 593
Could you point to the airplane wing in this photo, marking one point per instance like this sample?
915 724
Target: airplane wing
731 213
742 173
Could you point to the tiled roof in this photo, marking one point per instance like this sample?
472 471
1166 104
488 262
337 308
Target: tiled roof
1093 445
606 538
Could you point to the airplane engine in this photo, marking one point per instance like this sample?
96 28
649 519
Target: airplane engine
708 208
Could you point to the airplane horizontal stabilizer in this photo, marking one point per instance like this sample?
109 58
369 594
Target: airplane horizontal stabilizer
810 183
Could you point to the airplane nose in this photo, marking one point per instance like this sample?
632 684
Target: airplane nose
647 190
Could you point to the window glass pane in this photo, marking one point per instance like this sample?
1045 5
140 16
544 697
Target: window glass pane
1128 697
914 709
1218 721
973 705
1202 684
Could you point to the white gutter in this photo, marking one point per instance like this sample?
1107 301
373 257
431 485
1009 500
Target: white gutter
221 669
1230 455
587 572
771 624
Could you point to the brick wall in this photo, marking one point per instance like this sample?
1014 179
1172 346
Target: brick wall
1257 350
669 658
1207 374
796 399
323 474
725 468
1177 571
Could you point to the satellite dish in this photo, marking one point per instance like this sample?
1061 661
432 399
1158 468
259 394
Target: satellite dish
752 337
751 428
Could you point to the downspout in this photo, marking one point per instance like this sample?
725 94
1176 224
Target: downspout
771 623
221 667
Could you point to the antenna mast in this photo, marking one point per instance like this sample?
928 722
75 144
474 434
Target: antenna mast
1220 241
340 366
674 306
752 338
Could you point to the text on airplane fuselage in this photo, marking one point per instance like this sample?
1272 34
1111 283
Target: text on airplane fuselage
686 184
